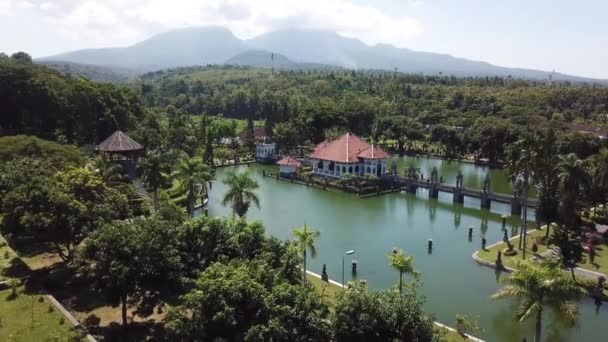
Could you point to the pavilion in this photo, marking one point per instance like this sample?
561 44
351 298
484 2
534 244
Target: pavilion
122 149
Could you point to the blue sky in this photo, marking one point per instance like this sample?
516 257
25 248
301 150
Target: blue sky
568 36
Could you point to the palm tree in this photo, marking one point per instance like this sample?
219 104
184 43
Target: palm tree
403 264
111 173
155 173
305 240
599 172
573 176
241 192
193 176
537 286
521 161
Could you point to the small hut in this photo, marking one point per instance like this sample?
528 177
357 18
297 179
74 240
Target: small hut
288 166
120 148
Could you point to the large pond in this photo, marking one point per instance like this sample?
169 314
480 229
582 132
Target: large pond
452 282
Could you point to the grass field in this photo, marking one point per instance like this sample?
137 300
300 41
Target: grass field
510 261
331 291
31 318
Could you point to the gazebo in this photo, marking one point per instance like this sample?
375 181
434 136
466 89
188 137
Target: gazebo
288 166
119 146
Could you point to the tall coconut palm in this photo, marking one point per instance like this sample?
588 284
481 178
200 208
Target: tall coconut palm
599 172
155 173
305 240
540 286
521 159
193 175
573 176
241 192
403 264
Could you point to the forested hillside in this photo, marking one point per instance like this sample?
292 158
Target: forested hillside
469 115
40 101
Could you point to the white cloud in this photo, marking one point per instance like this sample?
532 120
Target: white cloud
118 22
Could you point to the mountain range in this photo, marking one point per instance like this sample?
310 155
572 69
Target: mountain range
286 49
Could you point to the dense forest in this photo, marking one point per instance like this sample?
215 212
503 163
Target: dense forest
469 115
39 101
466 116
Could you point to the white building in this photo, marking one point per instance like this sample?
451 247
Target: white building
288 166
265 152
348 155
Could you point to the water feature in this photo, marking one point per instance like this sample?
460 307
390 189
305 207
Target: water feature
474 175
452 282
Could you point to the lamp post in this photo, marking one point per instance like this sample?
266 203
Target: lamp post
351 252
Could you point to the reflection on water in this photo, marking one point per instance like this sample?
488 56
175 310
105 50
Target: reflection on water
452 282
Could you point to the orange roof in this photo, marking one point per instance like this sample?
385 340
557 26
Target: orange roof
347 149
289 161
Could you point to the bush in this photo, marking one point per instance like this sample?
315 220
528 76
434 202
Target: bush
92 320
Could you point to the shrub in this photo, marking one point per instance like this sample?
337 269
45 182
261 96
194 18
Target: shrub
91 321
51 308
61 320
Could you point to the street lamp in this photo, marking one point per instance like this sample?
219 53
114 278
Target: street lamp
351 252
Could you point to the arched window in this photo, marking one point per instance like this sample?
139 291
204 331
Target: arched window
350 169
368 170
343 169
357 169
331 166
320 164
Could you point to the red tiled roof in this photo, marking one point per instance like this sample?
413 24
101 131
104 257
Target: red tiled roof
347 149
289 161
258 132
119 142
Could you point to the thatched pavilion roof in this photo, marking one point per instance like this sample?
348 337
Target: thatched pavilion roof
119 142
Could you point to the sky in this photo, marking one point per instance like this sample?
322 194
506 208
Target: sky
567 36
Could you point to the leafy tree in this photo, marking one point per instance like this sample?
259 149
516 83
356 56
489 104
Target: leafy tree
285 134
241 192
59 156
305 240
193 176
21 57
403 264
365 315
111 173
540 286
246 302
155 173
133 262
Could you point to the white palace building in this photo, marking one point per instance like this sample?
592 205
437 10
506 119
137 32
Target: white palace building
348 155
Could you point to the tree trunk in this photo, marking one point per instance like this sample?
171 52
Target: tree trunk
548 229
525 218
400 282
572 272
155 198
304 278
538 328
124 312
191 201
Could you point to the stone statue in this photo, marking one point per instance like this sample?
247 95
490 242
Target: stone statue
459 179
486 184
434 175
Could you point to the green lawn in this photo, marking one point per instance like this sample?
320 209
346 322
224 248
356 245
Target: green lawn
510 261
7 255
330 292
16 322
